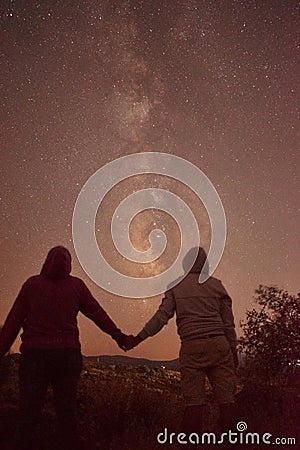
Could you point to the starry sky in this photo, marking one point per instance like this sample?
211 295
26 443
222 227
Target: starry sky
215 82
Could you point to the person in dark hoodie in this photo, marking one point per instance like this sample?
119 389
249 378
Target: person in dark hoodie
206 328
46 308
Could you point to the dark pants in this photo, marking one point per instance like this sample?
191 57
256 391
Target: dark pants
61 369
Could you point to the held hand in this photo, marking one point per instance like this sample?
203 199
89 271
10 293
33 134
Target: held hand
127 342
121 341
132 341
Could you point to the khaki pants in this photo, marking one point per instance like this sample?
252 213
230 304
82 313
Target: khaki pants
211 357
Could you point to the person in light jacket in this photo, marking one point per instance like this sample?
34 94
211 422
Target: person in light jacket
205 324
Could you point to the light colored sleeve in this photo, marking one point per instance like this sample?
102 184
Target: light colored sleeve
228 319
164 313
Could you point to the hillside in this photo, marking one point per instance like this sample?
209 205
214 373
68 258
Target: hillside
125 407
134 362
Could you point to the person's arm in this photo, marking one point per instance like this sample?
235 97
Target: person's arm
228 320
164 313
91 309
229 327
14 320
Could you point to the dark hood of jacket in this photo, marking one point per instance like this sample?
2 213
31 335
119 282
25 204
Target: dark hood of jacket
58 263
200 263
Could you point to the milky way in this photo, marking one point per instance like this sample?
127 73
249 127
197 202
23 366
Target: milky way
83 83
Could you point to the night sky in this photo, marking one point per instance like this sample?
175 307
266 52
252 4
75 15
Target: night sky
215 82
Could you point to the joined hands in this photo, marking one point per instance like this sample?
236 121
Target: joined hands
128 342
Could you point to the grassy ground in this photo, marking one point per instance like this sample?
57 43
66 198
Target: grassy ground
124 408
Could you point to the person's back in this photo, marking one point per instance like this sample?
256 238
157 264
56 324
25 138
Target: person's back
52 308
202 309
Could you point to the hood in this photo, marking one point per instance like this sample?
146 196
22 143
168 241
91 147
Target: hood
58 263
201 262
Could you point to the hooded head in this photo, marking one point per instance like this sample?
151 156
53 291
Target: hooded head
200 263
58 263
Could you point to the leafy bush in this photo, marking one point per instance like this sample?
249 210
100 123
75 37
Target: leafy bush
271 340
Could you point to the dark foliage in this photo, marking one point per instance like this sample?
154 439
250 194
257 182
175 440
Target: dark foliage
271 335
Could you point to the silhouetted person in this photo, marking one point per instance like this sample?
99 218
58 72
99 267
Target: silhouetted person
206 328
47 308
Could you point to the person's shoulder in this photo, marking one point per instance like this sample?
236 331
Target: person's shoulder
217 284
33 280
76 280
177 286
173 284
173 287
213 280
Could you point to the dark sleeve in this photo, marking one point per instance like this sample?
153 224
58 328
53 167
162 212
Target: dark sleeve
91 309
14 320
